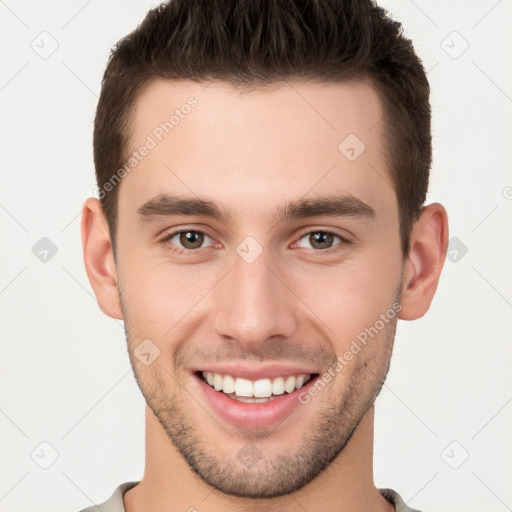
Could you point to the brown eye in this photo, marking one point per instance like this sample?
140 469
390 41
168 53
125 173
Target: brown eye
187 239
321 240
191 239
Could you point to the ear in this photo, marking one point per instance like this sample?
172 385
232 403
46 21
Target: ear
99 259
422 269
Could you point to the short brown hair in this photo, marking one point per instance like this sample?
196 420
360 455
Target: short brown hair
250 43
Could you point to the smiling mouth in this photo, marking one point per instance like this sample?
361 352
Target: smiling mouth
255 391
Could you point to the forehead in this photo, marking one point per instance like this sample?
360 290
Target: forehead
268 144
321 107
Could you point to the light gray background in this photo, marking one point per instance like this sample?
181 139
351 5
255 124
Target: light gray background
65 373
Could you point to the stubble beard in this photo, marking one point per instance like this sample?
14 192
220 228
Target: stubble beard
274 474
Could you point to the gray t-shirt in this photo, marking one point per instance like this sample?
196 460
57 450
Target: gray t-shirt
115 502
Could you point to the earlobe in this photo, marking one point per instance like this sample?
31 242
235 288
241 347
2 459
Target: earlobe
422 269
98 258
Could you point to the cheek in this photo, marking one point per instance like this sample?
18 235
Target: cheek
350 298
158 294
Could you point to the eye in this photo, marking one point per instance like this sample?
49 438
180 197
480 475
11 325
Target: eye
322 240
186 240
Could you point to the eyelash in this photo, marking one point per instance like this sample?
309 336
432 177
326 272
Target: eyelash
190 252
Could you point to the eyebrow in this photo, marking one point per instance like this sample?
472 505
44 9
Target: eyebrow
166 205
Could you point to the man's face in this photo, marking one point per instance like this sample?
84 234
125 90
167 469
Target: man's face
253 296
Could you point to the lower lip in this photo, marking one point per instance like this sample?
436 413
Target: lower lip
252 416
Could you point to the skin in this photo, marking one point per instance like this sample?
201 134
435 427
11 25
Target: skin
251 152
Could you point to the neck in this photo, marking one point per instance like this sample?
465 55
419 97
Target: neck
169 484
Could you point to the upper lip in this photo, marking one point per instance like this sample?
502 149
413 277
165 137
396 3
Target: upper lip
261 371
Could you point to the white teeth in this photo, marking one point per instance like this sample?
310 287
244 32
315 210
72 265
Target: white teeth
228 384
244 387
263 388
278 386
251 400
259 389
217 381
289 385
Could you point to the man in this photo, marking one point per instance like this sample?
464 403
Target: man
262 170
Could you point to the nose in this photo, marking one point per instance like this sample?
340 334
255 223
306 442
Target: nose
254 303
